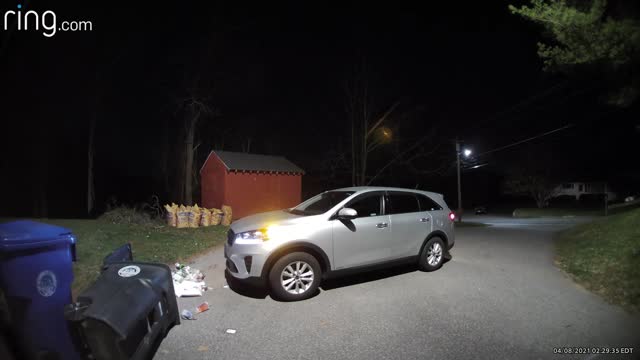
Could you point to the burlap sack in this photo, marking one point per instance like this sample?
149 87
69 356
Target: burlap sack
226 218
205 220
182 217
170 214
216 216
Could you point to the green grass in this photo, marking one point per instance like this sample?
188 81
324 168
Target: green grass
622 207
535 212
163 244
604 257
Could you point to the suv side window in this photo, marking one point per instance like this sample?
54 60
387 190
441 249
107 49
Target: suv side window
426 204
366 205
402 203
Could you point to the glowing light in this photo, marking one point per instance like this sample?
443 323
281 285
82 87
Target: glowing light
274 232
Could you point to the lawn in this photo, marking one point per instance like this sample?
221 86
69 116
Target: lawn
604 256
153 243
574 211
535 212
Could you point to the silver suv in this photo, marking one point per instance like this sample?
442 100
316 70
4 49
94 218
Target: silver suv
349 228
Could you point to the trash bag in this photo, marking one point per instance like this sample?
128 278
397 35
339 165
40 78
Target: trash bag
196 215
171 216
226 218
205 220
216 216
182 217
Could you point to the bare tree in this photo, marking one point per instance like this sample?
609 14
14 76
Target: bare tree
91 189
367 130
333 167
536 185
417 152
41 198
246 146
195 109
101 77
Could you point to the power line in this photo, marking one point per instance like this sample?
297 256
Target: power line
528 139
532 99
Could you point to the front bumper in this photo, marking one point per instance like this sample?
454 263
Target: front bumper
244 261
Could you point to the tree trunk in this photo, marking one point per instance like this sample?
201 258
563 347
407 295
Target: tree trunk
91 192
353 151
165 159
363 149
41 206
188 168
246 148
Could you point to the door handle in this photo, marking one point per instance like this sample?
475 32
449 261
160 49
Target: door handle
382 225
424 220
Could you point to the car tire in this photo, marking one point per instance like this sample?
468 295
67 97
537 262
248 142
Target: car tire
295 276
432 255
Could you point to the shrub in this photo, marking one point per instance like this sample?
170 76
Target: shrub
127 215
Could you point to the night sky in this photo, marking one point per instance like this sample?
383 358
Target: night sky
277 75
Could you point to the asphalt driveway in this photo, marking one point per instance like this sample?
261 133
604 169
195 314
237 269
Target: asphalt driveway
500 297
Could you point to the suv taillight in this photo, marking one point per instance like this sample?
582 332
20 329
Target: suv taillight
452 216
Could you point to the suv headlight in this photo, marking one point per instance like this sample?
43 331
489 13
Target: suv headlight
252 237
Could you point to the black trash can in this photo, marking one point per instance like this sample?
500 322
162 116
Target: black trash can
36 272
126 313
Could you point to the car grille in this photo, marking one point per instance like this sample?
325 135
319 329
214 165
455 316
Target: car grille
231 237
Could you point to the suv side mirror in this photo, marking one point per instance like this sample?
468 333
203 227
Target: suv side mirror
347 213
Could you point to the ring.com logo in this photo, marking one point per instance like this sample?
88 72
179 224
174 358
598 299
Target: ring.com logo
48 21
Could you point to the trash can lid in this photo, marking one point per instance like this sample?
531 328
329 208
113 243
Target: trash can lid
26 234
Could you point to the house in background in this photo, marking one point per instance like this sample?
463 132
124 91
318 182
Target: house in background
249 183
578 189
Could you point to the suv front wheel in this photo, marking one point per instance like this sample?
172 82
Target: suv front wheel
432 255
295 276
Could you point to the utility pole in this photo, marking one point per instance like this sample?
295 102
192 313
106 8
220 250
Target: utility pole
459 185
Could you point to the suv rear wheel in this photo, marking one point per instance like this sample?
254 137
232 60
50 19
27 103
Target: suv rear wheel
432 255
295 276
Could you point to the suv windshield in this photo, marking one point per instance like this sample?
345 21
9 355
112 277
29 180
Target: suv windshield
321 203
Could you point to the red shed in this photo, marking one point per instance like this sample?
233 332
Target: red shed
249 183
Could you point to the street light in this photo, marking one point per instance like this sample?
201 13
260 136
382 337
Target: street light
466 153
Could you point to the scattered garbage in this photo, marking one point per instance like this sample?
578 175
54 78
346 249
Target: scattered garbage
231 331
187 315
188 281
202 307
188 288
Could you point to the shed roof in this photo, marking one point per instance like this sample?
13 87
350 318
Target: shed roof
238 161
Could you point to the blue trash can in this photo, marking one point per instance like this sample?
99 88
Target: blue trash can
35 276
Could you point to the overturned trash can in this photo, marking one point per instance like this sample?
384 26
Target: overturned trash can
36 272
126 313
